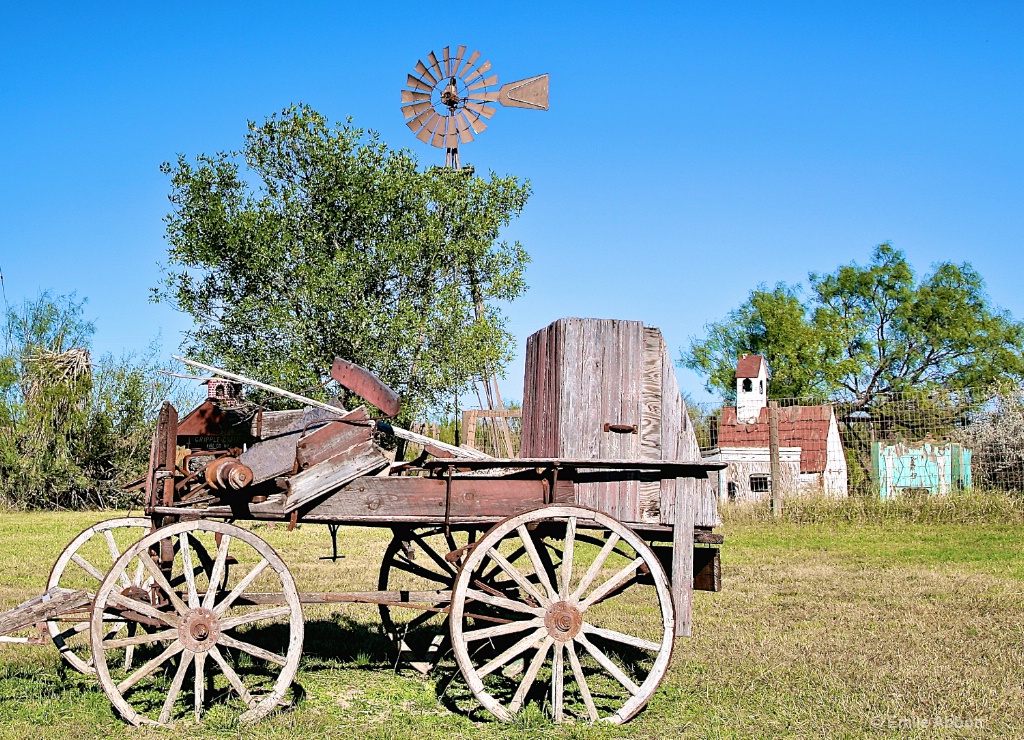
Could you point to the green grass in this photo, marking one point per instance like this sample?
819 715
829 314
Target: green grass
839 621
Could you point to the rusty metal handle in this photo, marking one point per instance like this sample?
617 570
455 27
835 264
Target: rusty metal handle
620 428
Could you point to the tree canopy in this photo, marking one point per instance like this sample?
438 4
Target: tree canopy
317 240
866 331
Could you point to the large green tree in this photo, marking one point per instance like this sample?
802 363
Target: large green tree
317 240
866 331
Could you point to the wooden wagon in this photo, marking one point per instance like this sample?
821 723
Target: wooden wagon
560 577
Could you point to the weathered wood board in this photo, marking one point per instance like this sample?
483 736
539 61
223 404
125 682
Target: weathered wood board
589 382
46 606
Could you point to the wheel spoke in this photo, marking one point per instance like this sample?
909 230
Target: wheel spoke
595 567
173 649
200 684
189 572
143 608
232 677
577 671
115 553
516 576
567 555
251 576
625 639
129 655
557 682
513 556
501 629
87 567
218 571
172 693
538 565
232 622
143 639
418 570
516 606
606 663
531 675
140 570
443 564
512 652
161 581
611 584
253 650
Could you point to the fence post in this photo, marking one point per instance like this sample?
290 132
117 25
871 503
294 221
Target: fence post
773 450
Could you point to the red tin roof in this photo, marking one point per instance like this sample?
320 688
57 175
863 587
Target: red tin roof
805 427
749 366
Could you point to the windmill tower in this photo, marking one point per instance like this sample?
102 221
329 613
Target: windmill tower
446 101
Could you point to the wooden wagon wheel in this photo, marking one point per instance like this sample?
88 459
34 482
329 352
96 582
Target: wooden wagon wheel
194 631
600 612
82 565
415 560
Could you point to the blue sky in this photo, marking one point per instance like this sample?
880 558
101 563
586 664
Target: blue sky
692 150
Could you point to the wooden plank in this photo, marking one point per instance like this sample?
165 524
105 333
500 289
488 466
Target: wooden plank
425 497
53 603
649 493
362 457
330 439
682 555
629 507
671 403
276 423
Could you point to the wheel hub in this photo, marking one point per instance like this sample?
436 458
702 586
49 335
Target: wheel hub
563 621
199 630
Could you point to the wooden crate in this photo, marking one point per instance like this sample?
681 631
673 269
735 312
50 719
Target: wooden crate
586 381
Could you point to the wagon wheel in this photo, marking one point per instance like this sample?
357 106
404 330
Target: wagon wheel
594 632
415 561
198 632
82 565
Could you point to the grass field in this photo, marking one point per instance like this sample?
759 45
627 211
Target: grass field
840 621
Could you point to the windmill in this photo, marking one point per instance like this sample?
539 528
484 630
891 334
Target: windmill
449 98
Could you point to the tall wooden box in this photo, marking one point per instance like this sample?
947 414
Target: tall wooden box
606 389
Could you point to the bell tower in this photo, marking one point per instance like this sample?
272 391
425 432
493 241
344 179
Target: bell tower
751 388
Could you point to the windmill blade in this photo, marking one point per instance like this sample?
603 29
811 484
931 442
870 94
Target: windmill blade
483 68
410 96
426 133
459 55
529 93
423 72
484 97
474 121
492 80
465 135
421 120
439 133
432 58
447 58
451 139
417 84
416 109
484 110
470 62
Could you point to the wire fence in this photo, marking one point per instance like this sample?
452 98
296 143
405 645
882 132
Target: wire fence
930 441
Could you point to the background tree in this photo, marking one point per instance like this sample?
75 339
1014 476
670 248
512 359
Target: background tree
865 332
72 432
317 240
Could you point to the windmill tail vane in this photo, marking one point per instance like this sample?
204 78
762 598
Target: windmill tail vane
448 99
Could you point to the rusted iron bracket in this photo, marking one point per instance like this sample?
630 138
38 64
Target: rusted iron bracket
621 428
